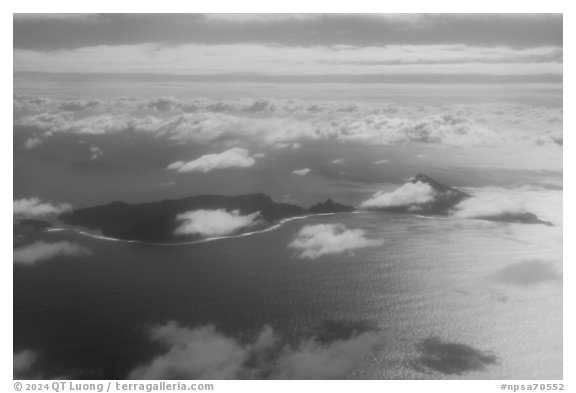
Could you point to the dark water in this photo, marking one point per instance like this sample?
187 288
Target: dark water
444 295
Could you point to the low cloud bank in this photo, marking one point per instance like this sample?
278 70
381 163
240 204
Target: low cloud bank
205 353
314 241
408 194
490 205
234 158
217 222
34 207
42 251
287 122
494 202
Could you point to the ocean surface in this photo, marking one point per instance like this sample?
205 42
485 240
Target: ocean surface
450 298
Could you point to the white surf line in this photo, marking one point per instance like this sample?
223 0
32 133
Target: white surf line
206 240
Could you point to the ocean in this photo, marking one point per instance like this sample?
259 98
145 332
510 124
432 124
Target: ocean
446 298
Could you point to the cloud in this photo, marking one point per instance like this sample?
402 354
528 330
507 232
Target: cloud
257 58
200 353
67 122
337 161
55 17
408 194
34 207
95 152
311 360
285 123
494 202
205 353
488 205
314 241
42 251
437 129
380 162
301 172
236 157
24 362
527 273
214 222
32 143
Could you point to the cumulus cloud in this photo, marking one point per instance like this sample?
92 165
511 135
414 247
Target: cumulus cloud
32 143
314 241
311 360
95 152
301 172
42 251
205 353
236 157
24 362
200 353
337 161
34 207
217 222
406 195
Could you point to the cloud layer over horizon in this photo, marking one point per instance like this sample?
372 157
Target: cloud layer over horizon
278 123
282 45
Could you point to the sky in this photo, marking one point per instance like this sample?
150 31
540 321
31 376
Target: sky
288 48
140 107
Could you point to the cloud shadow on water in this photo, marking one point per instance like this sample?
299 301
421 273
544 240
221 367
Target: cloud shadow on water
452 358
342 329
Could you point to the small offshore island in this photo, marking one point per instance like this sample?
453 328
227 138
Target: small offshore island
158 221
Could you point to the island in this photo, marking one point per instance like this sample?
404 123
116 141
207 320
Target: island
157 221
329 206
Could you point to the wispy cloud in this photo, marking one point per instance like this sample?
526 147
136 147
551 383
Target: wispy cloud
41 251
314 241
